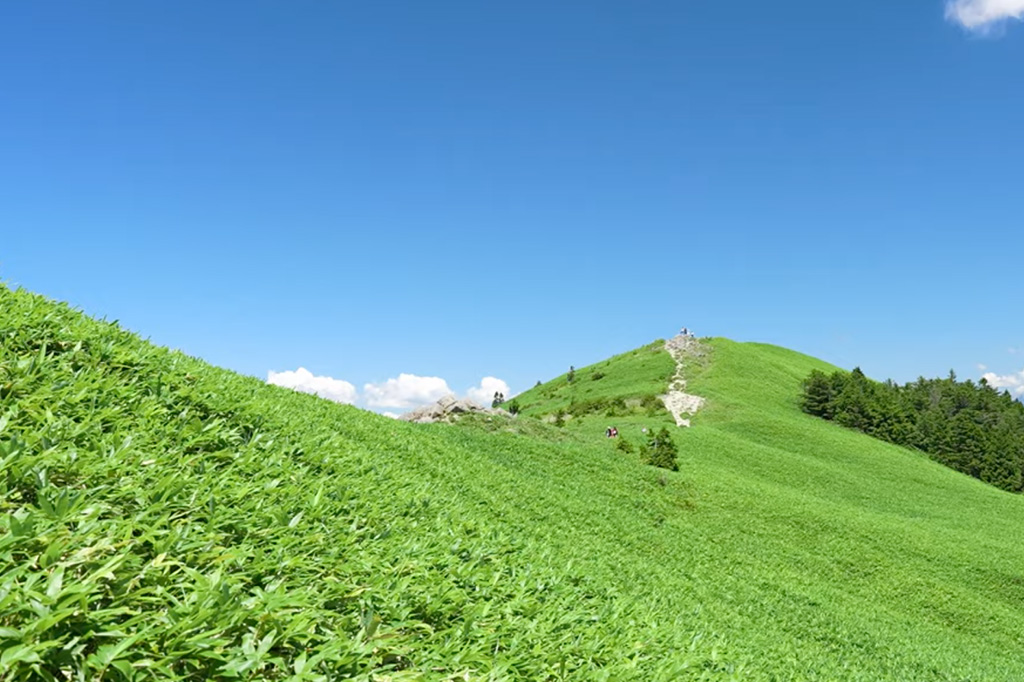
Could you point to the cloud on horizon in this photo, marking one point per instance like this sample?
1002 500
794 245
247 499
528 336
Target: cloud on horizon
406 392
1014 383
484 393
982 16
391 397
304 381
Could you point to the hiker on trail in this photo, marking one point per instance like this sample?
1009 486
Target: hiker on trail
615 432
608 432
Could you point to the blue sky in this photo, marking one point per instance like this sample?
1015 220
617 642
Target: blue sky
465 189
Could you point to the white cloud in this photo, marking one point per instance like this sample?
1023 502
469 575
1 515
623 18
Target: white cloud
406 392
391 415
1014 383
484 393
983 15
981 367
306 382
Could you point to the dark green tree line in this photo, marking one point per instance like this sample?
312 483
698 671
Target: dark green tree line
968 426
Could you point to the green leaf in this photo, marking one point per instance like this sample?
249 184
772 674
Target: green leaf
56 583
299 664
108 653
19 653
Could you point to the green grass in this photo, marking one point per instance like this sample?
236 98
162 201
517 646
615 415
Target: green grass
163 519
629 377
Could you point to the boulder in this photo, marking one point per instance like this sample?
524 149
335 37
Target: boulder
464 406
447 409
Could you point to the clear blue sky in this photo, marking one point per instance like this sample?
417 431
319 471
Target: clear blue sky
461 189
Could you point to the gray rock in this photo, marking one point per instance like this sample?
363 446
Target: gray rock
464 406
448 409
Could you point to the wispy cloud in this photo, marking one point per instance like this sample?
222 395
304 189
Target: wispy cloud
983 16
405 392
306 382
1014 383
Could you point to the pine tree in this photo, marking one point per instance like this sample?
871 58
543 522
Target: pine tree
817 399
661 451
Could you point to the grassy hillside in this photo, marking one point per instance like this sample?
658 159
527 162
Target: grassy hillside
160 518
623 385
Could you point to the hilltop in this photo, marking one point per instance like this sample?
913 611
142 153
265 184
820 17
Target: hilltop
164 519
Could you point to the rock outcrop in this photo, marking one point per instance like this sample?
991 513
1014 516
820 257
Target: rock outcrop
448 409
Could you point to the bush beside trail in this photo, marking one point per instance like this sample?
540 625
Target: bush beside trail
661 451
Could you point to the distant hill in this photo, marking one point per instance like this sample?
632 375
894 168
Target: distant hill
164 519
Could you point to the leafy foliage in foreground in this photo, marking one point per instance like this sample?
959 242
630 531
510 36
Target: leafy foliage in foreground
162 519
970 427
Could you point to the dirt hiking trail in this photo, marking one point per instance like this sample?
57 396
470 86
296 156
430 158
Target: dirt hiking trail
677 400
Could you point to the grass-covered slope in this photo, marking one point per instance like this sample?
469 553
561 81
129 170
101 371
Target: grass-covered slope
623 385
162 519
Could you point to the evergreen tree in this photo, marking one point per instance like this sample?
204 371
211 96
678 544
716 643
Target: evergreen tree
661 451
817 398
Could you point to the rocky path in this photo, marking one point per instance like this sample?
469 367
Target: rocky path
677 400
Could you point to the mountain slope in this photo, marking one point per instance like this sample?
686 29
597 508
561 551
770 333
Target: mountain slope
247 531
